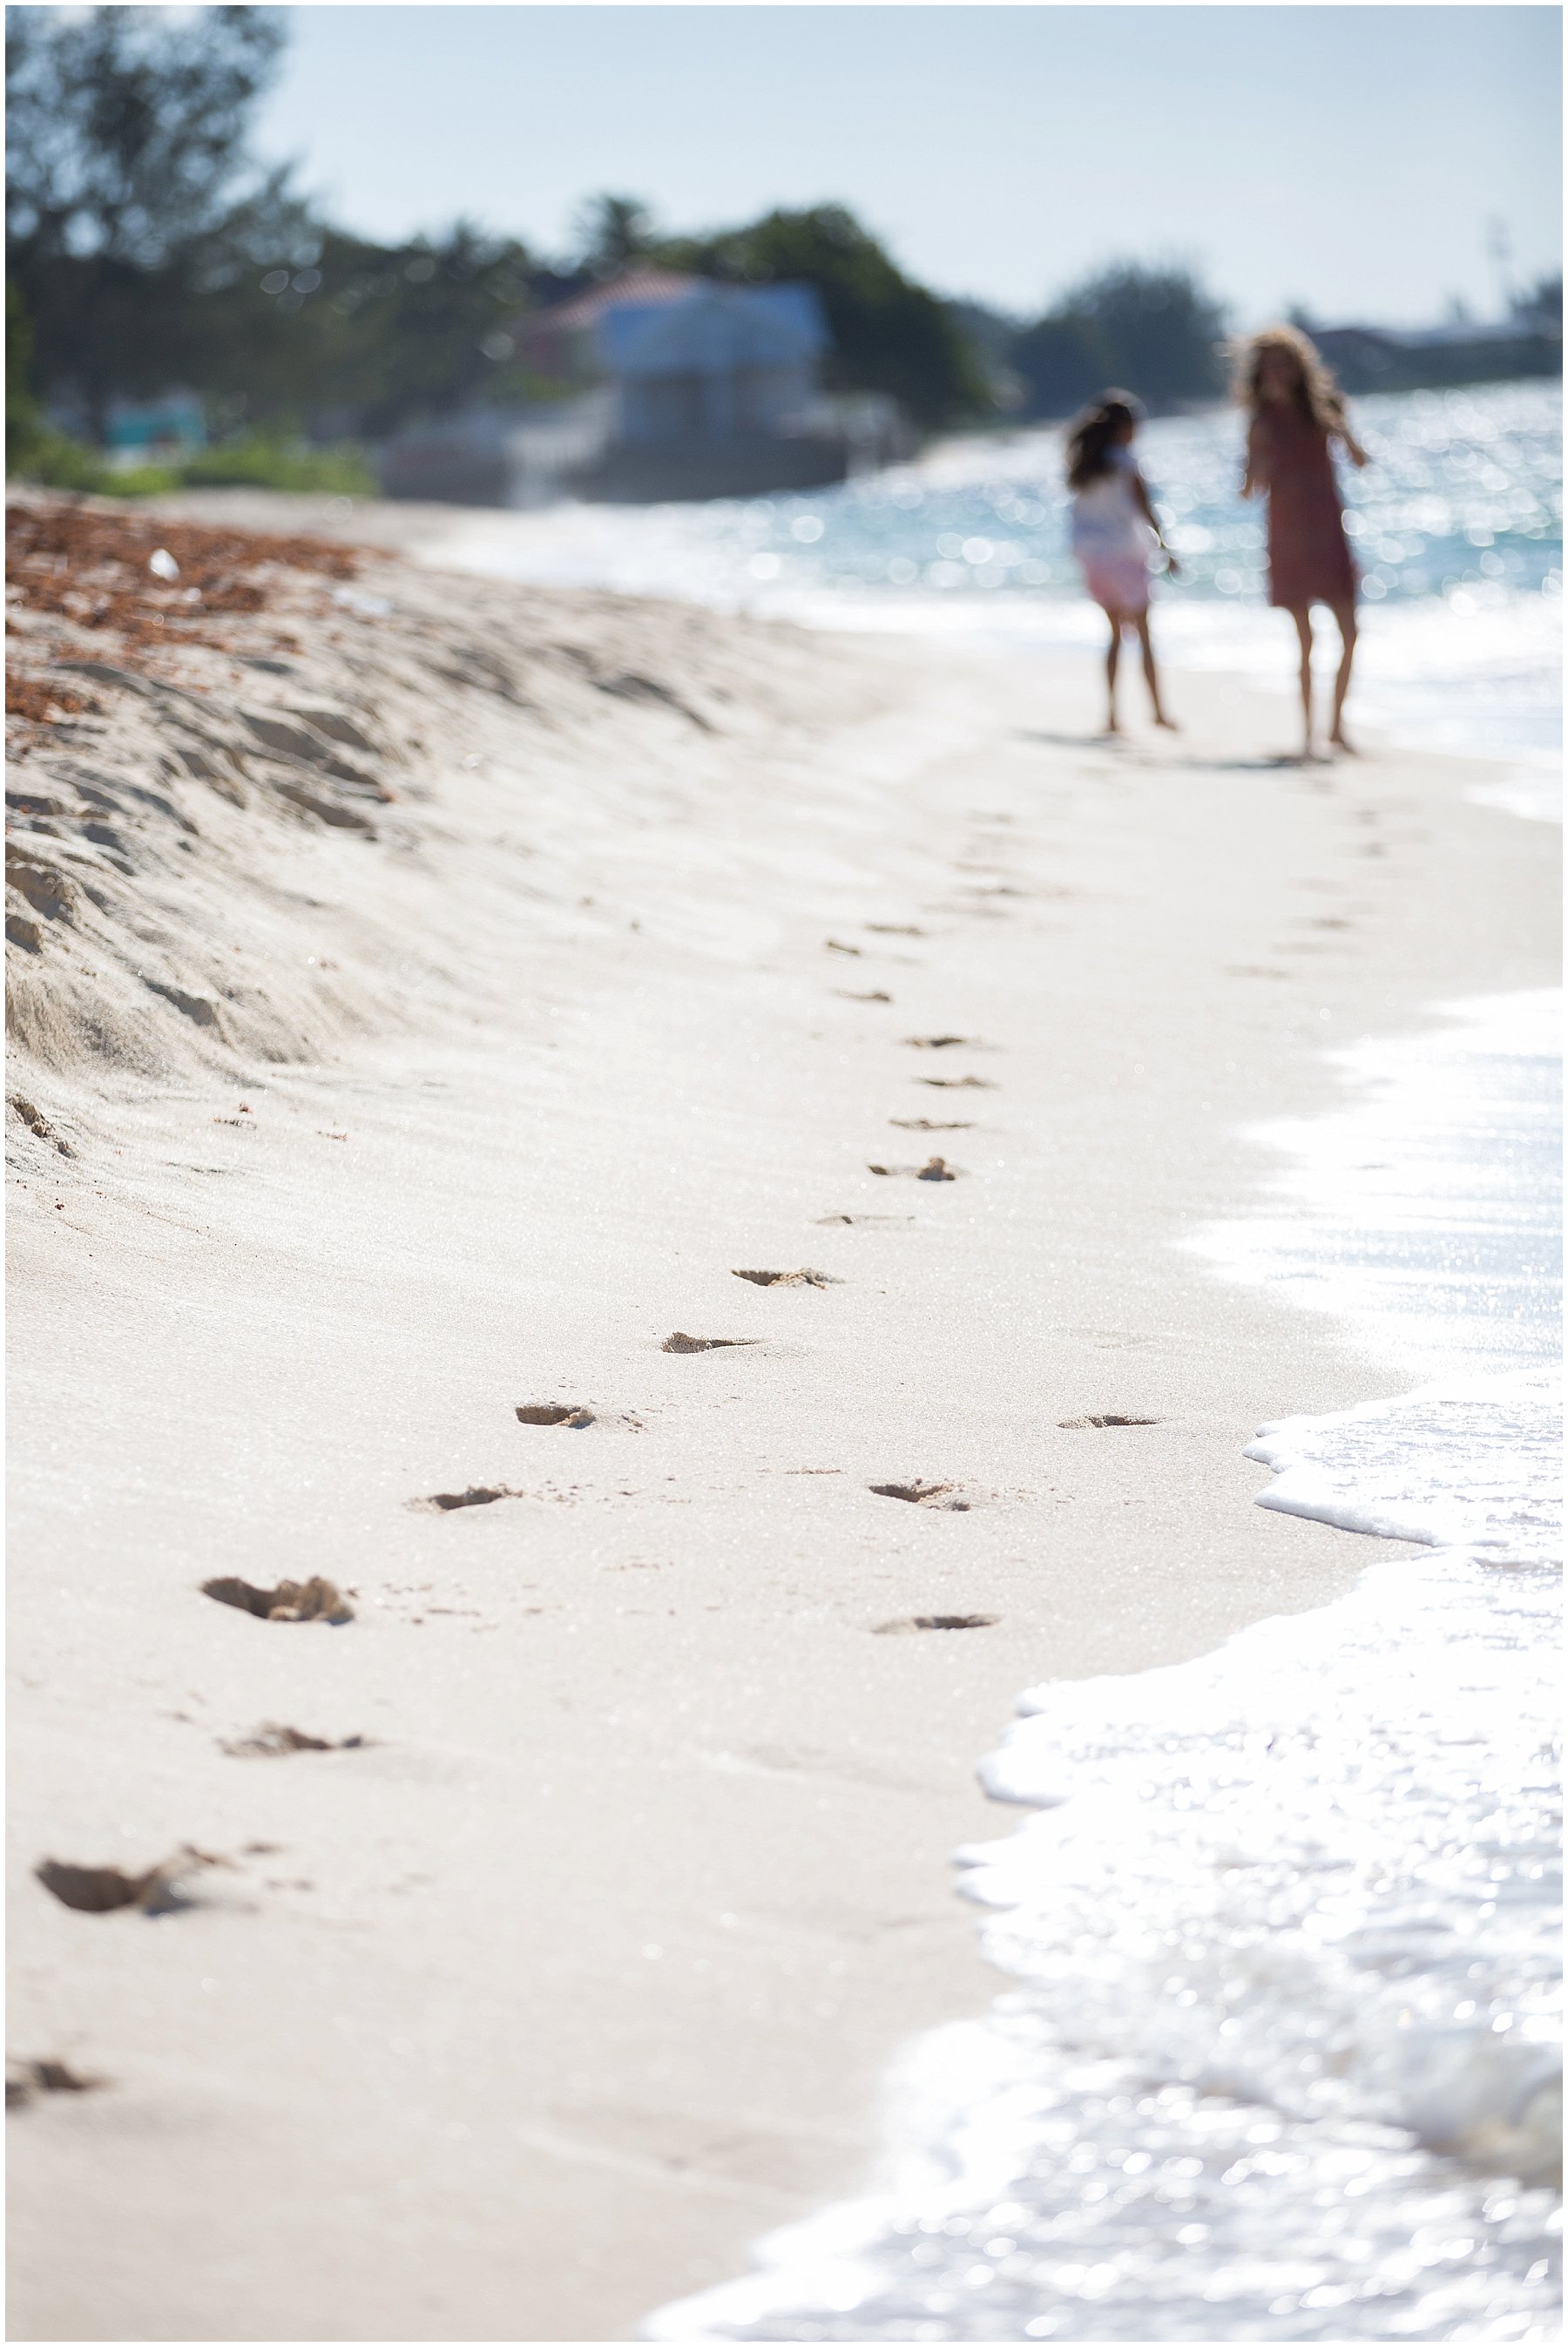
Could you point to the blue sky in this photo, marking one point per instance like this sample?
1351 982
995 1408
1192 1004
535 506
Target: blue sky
1347 157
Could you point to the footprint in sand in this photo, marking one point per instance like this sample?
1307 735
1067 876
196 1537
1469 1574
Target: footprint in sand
1076 1425
923 1495
958 1083
937 1622
291 1600
25 2081
272 1742
163 1889
929 1125
823 1219
789 1279
895 929
681 1343
833 946
944 1042
477 1495
936 1169
554 1413
844 995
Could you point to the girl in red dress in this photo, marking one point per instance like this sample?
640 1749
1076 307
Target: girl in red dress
1297 414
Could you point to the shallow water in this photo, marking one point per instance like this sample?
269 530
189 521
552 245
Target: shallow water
1283 2057
1425 1212
1457 525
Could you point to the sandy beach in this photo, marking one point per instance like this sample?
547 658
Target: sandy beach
428 994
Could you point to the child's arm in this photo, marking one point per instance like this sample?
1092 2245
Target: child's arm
1141 499
1352 447
1255 476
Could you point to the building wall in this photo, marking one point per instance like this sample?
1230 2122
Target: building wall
712 403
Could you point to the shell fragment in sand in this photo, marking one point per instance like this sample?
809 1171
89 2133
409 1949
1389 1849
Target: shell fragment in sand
26 2080
924 1495
1105 1417
937 1622
315 1600
936 1169
273 1742
804 1278
681 1343
476 1495
103 1889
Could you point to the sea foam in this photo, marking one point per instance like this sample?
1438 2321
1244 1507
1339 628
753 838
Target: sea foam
1282 2061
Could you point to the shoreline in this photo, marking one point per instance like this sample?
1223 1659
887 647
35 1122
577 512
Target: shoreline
1193 1813
699 1745
1507 713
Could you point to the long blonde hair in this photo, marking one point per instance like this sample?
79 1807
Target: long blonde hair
1317 394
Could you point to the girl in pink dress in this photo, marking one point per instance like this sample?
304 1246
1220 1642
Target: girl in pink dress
1114 531
1297 414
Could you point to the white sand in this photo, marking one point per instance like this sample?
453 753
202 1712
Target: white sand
530 2014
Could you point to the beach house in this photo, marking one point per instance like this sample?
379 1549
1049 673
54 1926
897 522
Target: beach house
705 389
667 386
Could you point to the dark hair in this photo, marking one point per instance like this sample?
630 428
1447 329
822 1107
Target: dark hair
1090 434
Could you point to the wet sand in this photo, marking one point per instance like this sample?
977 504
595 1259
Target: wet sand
532 2008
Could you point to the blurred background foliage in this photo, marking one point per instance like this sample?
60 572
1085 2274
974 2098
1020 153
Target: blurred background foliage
147 250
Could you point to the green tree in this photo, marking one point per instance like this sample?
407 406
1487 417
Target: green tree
147 252
1541 307
1157 331
125 192
888 333
24 421
1063 361
612 232
124 134
34 452
406 333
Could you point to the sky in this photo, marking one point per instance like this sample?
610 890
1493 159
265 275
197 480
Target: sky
1345 158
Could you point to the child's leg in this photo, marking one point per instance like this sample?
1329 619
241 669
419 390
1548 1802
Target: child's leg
1302 615
1112 663
1345 613
1151 674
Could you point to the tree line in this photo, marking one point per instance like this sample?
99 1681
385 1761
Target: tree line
146 248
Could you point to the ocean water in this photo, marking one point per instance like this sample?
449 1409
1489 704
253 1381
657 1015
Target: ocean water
1283 2057
1457 524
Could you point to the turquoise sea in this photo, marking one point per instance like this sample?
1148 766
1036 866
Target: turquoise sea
1457 525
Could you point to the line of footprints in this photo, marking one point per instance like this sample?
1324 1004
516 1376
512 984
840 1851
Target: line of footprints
182 1881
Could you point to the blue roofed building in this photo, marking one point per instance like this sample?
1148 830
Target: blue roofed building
713 390
721 363
669 386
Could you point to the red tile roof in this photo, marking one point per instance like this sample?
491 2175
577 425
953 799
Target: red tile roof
632 285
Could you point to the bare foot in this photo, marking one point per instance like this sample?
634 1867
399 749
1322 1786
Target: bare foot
1112 726
1167 724
1346 748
